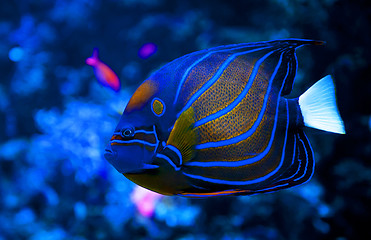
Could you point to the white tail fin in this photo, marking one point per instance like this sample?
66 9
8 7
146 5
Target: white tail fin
319 109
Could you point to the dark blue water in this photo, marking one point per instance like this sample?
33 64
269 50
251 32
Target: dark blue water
56 119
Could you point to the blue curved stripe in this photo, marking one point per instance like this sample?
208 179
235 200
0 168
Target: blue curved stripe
134 141
142 131
247 182
157 141
166 158
270 189
249 132
216 76
185 75
306 166
241 96
176 150
245 161
292 162
232 48
204 195
140 141
277 187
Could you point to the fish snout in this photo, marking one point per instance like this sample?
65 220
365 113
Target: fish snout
124 159
109 154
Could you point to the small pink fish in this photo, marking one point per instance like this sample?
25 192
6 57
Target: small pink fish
105 75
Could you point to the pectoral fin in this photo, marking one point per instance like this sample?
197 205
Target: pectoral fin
183 136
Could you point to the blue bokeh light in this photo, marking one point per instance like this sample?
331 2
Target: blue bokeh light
16 54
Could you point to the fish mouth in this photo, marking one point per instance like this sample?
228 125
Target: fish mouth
122 165
109 154
133 159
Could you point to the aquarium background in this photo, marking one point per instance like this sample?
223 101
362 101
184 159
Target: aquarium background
56 119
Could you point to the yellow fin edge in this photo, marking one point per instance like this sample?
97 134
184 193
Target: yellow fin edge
183 135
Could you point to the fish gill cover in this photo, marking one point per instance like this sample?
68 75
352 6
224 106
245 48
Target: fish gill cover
56 119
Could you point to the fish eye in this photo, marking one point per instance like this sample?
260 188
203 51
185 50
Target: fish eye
127 132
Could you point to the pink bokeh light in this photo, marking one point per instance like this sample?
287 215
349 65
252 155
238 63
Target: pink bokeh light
144 200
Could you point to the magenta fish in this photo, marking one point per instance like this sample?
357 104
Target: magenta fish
105 75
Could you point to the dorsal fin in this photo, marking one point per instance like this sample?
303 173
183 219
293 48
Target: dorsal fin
291 61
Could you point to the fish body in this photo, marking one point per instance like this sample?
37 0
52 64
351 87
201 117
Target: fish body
104 74
216 122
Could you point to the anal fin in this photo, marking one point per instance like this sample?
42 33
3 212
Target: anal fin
299 172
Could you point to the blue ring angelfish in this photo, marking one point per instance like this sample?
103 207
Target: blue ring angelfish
158 107
228 129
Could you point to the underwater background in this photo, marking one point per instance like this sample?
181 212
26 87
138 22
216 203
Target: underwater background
56 119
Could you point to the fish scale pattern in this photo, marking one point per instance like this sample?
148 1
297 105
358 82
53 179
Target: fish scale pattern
224 91
199 75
